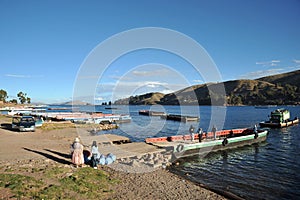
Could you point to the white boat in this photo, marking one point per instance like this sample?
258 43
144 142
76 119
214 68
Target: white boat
16 111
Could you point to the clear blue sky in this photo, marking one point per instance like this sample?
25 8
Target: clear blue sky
44 43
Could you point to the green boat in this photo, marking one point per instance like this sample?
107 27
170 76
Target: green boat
248 138
279 118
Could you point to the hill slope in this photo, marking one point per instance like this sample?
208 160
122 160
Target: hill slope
278 89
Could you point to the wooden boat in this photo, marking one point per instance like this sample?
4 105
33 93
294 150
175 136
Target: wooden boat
20 111
279 118
151 113
205 135
184 150
182 146
181 118
84 118
111 108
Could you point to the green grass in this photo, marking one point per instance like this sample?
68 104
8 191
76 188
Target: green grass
22 186
84 183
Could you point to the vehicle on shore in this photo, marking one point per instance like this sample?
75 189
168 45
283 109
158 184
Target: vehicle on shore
279 118
23 123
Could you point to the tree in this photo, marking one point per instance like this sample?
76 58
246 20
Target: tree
28 99
22 97
15 101
3 95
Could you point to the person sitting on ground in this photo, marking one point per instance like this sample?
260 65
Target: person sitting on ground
95 155
77 153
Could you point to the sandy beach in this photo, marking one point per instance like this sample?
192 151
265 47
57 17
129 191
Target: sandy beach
51 148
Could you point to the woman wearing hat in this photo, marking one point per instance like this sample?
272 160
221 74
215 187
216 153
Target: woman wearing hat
77 153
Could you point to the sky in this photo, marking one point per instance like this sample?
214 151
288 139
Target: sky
44 45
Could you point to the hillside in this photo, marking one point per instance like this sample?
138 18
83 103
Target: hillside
271 90
145 99
292 78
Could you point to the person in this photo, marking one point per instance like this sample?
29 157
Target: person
192 132
77 153
214 130
231 134
200 134
255 128
95 155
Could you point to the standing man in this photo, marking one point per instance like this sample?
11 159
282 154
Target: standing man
200 134
214 130
192 133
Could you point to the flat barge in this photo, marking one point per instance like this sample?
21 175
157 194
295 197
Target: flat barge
151 113
225 140
181 118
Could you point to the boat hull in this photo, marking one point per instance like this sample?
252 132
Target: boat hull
279 125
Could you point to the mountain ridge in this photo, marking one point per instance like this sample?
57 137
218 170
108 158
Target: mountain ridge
270 90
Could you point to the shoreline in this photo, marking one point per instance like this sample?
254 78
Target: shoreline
27 153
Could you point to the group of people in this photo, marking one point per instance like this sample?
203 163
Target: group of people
214 132
93 157
200 133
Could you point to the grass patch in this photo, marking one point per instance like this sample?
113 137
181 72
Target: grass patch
57 125
84 183
21 186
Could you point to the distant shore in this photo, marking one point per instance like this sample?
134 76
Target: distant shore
31 153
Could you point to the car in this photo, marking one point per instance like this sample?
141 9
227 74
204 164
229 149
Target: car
23 123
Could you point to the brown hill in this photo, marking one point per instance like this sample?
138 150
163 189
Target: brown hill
145 99
291 78
277 89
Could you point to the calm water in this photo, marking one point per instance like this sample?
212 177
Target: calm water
269 170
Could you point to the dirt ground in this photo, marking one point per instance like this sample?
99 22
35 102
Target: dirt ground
53 146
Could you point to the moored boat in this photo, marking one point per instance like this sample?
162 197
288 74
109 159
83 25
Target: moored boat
251 137
182 146
151 113
279 118
181 118
20 111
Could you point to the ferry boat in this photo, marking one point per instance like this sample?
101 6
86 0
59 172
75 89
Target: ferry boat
279 118
183 146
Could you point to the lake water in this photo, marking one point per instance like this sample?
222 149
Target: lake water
269 170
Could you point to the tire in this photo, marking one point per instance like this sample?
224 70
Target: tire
225 142
180 148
